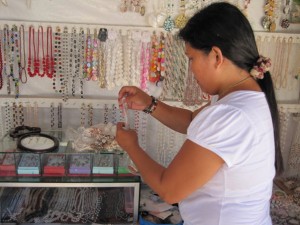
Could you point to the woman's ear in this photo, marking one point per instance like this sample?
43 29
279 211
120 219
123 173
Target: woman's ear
218 56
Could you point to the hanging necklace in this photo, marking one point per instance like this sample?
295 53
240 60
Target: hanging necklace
57 70
31 61
49 64
14 56
95 57
81 64
6 56
41 64
222 92
1 63
74 61
22 56
169 23
181 19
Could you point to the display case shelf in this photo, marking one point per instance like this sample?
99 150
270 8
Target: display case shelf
124 187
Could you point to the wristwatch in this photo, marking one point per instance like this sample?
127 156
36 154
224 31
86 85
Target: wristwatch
37 142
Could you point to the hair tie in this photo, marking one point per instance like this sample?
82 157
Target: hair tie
263 64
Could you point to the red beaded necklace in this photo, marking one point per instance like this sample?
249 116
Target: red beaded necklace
31 62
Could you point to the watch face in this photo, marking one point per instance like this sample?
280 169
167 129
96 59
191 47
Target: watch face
38 143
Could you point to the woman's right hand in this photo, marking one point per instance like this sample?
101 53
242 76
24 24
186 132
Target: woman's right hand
135 98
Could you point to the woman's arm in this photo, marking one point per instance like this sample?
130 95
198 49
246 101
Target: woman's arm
191 168
175 118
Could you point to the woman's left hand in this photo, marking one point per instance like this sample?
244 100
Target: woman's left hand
127 139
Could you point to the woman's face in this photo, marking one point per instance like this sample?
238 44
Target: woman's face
201 65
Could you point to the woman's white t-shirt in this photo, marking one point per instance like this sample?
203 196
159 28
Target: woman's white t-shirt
239 129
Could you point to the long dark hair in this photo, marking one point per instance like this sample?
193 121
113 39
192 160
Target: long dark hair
225 26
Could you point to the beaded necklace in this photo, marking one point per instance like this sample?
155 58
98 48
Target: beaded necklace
136 58
128 53
111 60
246 5
82 115
22 66
72 71
114 114
32 62
36 114
49 64
105 114
52 119
15 115
59 115
90 114
169 23
268 21
120 80
28 115
168 66
278 58
286 62
41 64
1 62
188 92
294 154
21 114
81 64
176 69
103 55
154 64
145 56
181 19
88 56
6 55
65 64
1 129
8 115
160 143
161 57
180 69
15 56
95 57
285 23
58 72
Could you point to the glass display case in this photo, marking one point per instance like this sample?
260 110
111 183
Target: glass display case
66 187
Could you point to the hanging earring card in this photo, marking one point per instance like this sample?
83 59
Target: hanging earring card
54 164
80 164
29 164
123 163
7 164
103 164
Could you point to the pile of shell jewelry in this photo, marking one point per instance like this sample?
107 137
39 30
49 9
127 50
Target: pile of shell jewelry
285 205
100 137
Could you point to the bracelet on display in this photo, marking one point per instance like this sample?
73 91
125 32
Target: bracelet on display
150 109
21 130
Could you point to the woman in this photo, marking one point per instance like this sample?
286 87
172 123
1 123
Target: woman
224 170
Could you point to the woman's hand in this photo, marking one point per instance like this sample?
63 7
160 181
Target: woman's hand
135 98
127 139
